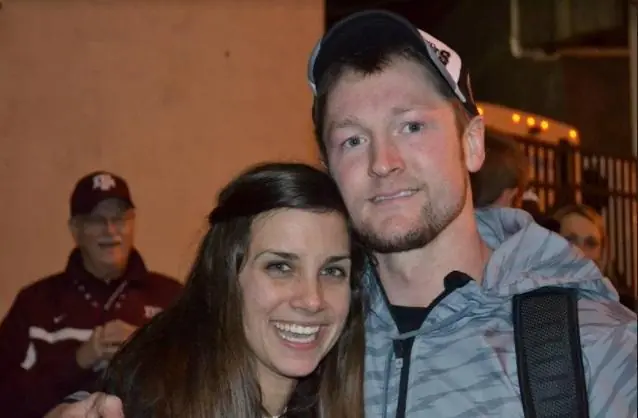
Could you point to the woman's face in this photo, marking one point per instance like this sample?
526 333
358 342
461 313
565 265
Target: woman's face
296 287
583 233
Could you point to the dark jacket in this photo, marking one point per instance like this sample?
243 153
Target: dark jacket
51 318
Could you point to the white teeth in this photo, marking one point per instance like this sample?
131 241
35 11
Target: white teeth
404 193
300 334
298 339
297 329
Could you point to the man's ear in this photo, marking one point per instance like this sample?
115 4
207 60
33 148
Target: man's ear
74 229
474 144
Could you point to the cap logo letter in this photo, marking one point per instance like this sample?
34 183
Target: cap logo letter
443 54
103 182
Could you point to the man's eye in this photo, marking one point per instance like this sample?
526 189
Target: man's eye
353 141
412 127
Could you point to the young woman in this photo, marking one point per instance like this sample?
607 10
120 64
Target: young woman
270 323
584 227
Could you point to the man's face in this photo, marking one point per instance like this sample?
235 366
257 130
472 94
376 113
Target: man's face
105 236
394 149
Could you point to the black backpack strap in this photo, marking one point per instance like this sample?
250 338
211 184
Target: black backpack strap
549 355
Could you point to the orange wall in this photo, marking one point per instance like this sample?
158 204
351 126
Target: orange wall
176 96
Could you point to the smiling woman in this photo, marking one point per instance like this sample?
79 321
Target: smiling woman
271 319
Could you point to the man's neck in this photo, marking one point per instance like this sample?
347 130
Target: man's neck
416 278
103 273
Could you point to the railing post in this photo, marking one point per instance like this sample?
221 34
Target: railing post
566 175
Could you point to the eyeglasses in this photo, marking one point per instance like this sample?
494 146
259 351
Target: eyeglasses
97 223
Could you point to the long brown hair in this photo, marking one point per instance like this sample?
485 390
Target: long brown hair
193 360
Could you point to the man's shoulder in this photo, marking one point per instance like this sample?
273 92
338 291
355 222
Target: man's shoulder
600 318
608 338
37 298
44 286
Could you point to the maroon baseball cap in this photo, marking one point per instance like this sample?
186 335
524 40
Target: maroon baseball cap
97 187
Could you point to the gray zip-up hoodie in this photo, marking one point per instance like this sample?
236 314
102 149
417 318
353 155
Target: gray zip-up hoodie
463 361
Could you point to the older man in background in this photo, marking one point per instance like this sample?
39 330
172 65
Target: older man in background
61 331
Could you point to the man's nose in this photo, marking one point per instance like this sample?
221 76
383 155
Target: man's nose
111 226
385 159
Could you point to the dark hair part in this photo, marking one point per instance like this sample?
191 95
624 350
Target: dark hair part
373 61
505 167
193 360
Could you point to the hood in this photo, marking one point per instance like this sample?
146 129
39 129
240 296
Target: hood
527 256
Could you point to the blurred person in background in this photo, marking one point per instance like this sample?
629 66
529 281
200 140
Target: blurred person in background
504 176
61 331
503 180
585 227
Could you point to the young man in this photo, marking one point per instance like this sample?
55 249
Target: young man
399 132
61 330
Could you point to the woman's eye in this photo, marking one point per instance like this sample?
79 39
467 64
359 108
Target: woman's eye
572 238
334 272
278 267
412 127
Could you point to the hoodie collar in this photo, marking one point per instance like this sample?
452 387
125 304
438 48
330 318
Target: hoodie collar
525 257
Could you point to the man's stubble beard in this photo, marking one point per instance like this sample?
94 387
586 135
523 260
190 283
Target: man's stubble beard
433 221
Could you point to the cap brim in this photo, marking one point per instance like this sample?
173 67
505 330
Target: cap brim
89 207
360 32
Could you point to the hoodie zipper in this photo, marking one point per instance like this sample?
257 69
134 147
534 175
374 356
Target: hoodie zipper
403 347
403 350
